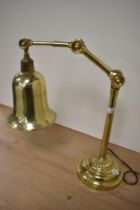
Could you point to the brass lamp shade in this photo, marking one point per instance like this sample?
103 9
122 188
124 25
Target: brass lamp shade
31 110
30 107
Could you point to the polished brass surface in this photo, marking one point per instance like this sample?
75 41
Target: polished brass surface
108 122
77 46
31 110
97 171
30 106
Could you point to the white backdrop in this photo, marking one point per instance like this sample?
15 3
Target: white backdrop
77 90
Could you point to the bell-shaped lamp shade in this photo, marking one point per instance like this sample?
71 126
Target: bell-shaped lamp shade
30 106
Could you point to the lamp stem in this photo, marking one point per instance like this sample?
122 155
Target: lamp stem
108 122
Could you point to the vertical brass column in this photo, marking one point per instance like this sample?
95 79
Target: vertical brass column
108 122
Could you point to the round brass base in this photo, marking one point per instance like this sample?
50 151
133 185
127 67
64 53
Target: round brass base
99 173
22 123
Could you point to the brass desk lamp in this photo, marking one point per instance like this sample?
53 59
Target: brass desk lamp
31 111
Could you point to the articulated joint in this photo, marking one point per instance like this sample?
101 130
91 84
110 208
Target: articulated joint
25 43
77 46
117 79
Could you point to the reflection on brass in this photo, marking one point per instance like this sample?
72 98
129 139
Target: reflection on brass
31 110
99 171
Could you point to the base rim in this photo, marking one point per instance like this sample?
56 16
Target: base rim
25 125
99 174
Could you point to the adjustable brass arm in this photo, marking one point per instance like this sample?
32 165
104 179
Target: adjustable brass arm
77 46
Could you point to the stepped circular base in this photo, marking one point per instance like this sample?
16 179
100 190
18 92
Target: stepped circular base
99 173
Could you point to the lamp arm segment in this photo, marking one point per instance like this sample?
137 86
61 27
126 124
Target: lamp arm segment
78 46
116 77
